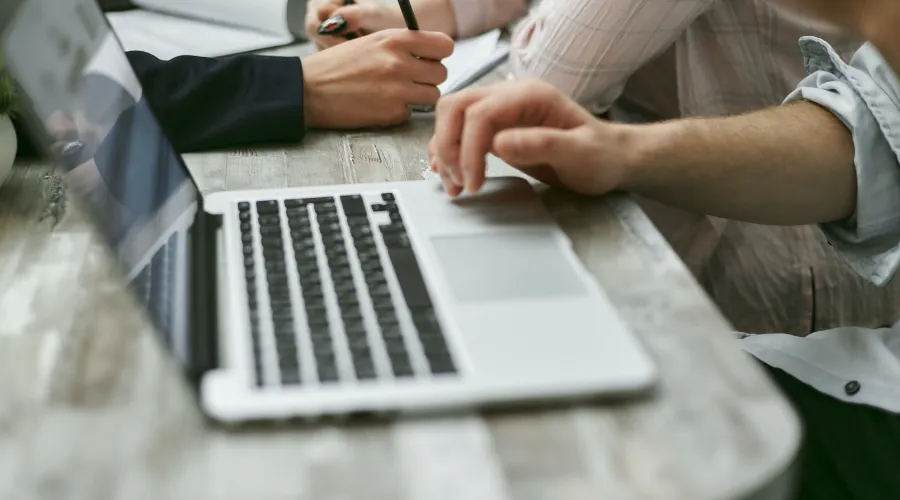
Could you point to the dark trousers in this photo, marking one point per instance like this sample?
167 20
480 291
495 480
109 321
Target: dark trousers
850 452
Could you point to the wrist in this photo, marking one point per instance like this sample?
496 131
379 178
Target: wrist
312 110
640 146
651 150
313 106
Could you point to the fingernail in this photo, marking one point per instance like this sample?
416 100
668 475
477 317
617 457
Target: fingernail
451 174
332 25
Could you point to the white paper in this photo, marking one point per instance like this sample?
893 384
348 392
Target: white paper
167 36
265 16
472 58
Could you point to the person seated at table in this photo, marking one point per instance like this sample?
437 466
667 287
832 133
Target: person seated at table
829 156
661 59
206 103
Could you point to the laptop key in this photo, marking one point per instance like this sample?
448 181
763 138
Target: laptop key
320 200
406 267
269 220
267 207
353 205
402 367
323 350
357 221
442 365
328 374
395 346
290 377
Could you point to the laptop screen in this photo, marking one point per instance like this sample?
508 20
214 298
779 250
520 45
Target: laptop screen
85 105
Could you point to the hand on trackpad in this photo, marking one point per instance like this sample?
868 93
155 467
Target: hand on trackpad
507 265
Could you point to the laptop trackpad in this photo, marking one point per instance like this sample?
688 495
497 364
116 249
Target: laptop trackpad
507 265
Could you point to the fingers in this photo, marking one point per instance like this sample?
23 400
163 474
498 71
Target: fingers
356 17
482 121
316 12
427 72
326 9
529 147
424 95
512 105
449 121
424 44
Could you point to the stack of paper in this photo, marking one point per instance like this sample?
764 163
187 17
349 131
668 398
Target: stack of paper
472 58
209 28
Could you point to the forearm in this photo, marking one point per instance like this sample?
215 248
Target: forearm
205 103
784 166
473 17
435 15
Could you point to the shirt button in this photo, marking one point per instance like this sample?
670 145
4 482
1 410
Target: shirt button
852 388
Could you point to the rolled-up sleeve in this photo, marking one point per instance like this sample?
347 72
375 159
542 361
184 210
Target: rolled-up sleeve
865 96
590 48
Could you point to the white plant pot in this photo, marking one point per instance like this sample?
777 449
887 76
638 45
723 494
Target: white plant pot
8 147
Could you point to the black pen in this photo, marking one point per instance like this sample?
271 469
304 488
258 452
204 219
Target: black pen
408 15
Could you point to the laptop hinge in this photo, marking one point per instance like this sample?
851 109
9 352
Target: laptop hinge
204 349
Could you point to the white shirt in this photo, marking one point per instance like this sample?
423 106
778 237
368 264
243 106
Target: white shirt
856 365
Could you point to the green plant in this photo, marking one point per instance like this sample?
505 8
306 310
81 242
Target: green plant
7 93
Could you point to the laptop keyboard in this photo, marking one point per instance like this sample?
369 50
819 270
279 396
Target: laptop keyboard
335 296
154 285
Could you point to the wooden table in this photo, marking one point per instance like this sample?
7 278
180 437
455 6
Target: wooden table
91 408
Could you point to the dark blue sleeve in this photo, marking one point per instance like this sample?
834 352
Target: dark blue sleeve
205 103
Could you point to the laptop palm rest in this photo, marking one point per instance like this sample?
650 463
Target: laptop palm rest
509 265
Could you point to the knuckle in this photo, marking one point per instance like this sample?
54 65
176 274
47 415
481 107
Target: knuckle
435 95
440 73
390 39
475 113
395 94
393 65
447 104
540 142
399 113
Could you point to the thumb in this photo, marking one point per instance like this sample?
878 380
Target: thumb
539 152
528 147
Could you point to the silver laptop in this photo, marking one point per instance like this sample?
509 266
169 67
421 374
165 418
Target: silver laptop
317 301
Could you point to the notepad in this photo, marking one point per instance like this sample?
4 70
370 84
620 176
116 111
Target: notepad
473 58
208 28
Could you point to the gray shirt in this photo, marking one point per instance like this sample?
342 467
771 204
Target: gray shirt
856 365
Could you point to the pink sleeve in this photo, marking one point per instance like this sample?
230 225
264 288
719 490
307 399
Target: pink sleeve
590 48
474 17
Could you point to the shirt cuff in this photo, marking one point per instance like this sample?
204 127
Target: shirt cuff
863 95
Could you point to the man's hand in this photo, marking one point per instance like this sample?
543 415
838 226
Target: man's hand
373 81
531 126
362 18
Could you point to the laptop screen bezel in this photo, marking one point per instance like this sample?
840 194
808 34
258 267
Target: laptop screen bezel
202 252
